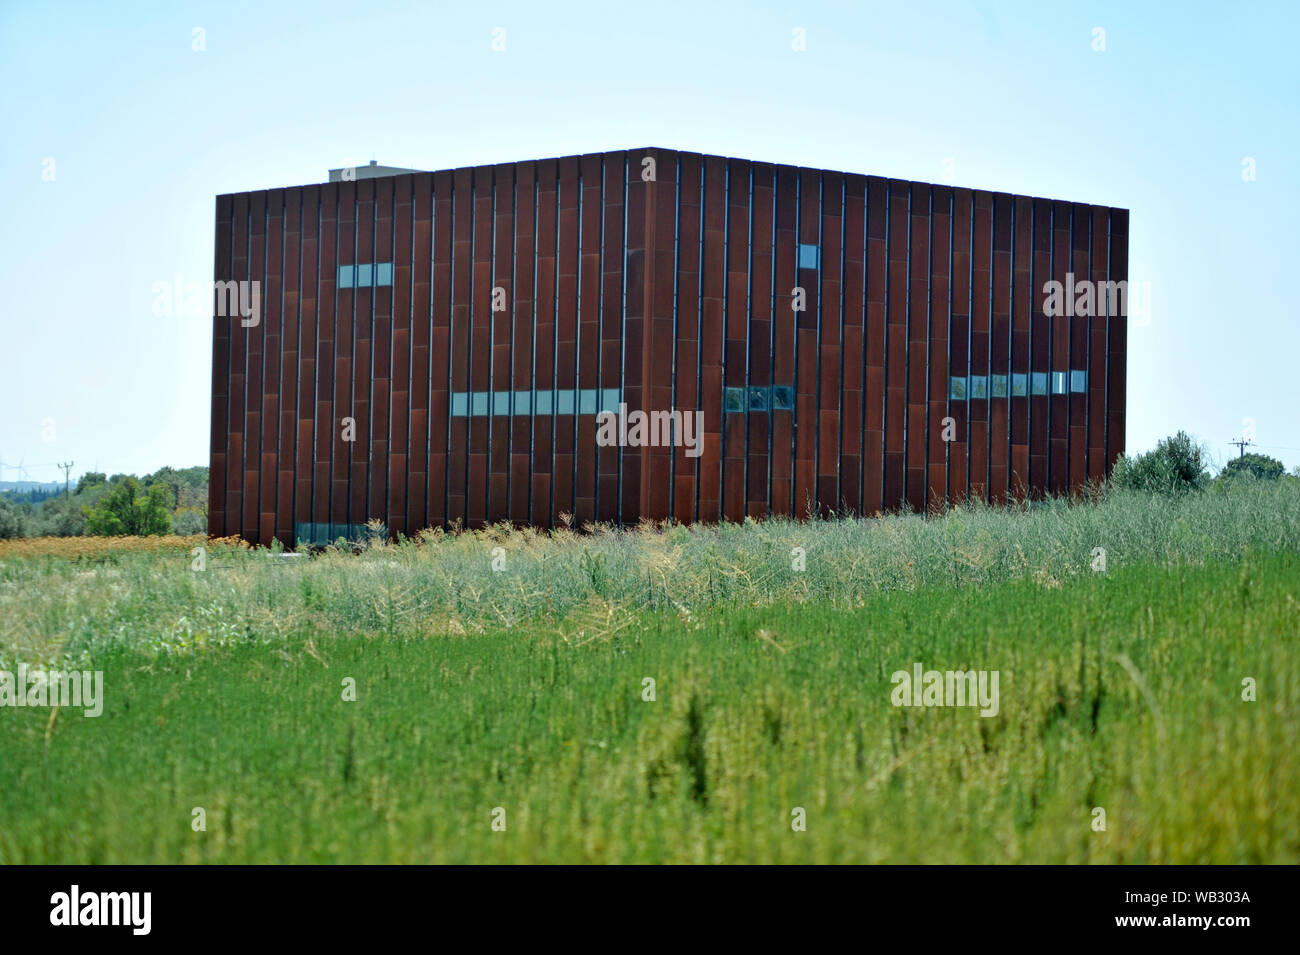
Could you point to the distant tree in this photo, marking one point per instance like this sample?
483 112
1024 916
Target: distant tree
1176 466
12 522
130 509
91 479
1259 466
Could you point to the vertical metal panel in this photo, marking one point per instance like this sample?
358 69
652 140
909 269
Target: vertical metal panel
588 342
830 340
712 336
981 317
759 359
873 451
613 174
1000 352
220 424
448 370
548 211
1058 468
501 329
566 360
457 187
479 307
290 318
784 327
1022 310
735 349
918 318
686 395
521 349
1099 227
1117 342
959 335
936 489
806 353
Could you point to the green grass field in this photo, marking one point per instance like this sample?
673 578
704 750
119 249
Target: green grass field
521 689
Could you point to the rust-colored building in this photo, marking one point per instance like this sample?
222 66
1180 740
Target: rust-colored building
855 344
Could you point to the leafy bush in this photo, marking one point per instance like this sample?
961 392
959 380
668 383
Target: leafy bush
1258 466
11 520
1176 466
129 509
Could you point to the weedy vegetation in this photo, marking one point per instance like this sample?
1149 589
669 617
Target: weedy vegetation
506 669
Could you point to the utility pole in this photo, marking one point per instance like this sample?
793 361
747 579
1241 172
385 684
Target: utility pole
67 475
1241 446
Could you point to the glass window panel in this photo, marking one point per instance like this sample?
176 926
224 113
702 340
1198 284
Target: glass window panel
523 403
564 401
459 404
478 403
734 400
807 256
363 275
782 398
758 398
979 386
957 388
1078 381
1040 382
1058 382
999 383
501 402
345 276
587 400
384 273
542 402
1019 384
609 400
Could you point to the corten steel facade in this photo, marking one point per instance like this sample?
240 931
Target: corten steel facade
921 302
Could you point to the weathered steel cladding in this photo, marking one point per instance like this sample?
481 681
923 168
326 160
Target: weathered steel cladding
669 292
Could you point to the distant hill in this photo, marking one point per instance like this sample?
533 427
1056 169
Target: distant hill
24 486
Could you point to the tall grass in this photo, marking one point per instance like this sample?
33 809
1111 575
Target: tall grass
589 585
1120 692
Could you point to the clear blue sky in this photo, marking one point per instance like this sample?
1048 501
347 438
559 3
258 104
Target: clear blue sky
144 132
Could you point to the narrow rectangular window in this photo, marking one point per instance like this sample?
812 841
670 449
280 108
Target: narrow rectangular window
564 401
1058 382
957 388
609 400
363 275
758 398
384 273
999 383
782 398
734 400
523 403
346 273
1019 384
587 401
459 404
478 403
979 386
808 256
1078 381
1040 382
501 403
542 404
